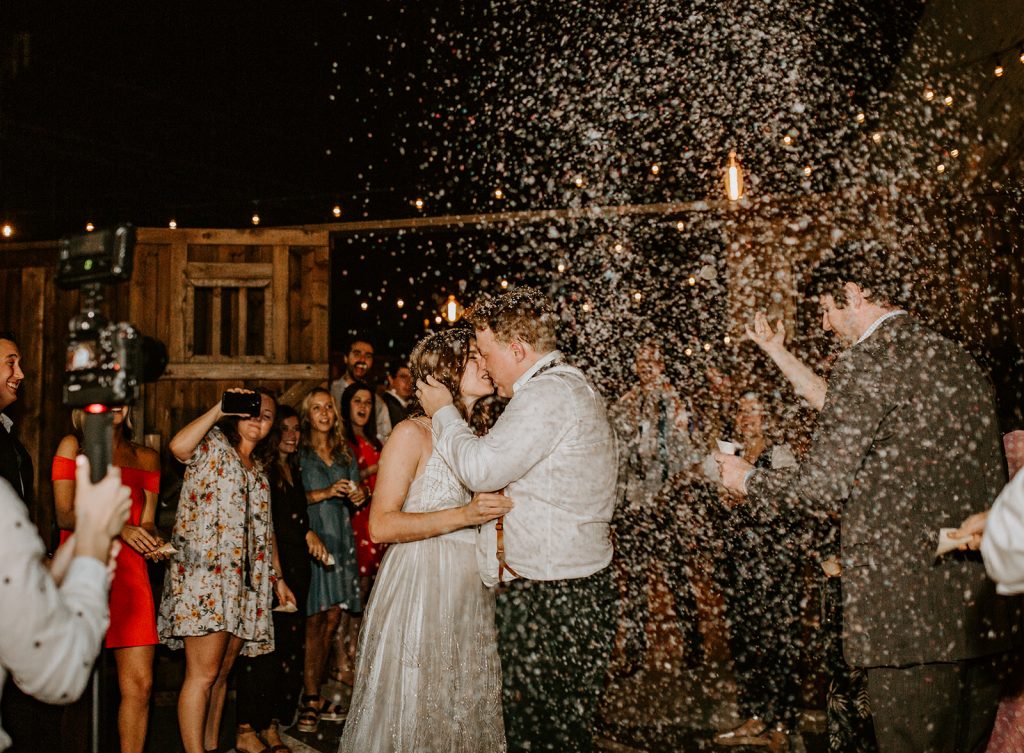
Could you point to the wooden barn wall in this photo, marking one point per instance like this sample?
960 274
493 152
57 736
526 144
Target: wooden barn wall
38 312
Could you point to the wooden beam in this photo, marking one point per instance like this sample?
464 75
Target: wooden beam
258 236
299 390
246 371
215 271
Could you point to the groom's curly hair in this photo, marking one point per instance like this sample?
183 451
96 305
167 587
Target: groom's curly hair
523 314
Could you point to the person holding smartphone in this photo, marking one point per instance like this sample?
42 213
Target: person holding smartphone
219 587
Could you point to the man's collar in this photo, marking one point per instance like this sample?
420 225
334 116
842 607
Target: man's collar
541 363
7 422
399 398
878 323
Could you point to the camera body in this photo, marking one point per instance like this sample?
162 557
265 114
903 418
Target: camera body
104 363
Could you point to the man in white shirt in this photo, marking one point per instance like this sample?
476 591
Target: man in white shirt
358 362
52 621
554 453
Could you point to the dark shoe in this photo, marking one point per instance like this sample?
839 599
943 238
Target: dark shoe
309 714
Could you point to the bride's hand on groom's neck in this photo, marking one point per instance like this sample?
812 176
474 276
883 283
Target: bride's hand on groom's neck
432 395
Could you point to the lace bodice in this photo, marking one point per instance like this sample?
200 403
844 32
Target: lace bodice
435 489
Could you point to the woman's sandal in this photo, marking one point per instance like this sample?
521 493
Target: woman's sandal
309 714
332 711
737 736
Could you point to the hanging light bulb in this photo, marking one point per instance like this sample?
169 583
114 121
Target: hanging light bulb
860 117
364 305
255 218
655 168
173 224
7 230
999 71
452 310
336 210
400 302
89 227
499 194
733 179
418 203
948 100
929 95
504 284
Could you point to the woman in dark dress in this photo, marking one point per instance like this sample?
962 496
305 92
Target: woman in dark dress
269 686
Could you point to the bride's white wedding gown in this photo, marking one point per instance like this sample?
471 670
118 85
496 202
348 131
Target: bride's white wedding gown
428 677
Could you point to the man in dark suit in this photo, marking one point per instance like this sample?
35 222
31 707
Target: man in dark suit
15 463
907 443
399 393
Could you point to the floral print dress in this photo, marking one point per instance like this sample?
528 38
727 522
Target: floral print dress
220 578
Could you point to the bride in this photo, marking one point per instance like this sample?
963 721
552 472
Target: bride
428 677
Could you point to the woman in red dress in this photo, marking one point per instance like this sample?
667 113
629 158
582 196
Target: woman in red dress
132 631
359 425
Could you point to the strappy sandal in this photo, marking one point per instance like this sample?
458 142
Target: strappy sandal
309 714
332 711
736 736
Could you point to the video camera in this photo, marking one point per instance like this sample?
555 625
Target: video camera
106 361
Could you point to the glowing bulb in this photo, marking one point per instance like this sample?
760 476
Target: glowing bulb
438 320
727 339
787 139
585 307
691 280
400 303
173 224
1021 58
255 218
89 227
948 100
561 266
877 137
954 153
860 117
364 305
680 226
655 168
499 194
336 210
999 71
7 230
929 95
707 346
418 203
808 170
733 179
504 284
688 351
579 181
941 168
638 296
617 248
426 323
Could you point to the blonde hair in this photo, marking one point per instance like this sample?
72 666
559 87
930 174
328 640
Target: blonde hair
523 314
335 439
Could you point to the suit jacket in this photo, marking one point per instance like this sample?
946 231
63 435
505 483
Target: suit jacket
906 443
396 410
16 466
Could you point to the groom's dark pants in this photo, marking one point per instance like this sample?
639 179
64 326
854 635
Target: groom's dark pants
554 638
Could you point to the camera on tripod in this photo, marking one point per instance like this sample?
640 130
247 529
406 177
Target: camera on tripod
107 361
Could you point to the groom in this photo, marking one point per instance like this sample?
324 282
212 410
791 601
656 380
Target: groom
554 453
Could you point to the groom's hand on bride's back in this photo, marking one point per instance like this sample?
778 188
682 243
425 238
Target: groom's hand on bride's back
486 506
433 395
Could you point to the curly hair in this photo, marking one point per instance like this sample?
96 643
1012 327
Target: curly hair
443 355
523 314
335 439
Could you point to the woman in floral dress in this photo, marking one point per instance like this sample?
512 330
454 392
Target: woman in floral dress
219 583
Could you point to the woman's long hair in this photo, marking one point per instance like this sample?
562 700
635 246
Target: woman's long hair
347 429
443 355
263 453
336 443
275 470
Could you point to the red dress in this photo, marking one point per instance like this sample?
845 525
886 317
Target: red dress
368 554
132 614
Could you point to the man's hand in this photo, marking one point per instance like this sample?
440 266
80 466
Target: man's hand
734 472
766 338
433 395
974 527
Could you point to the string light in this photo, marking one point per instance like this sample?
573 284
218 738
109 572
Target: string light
688 351
336 210
954 153
691 280
999 71
255 218
787 139
1021 58
948 100
418 203
561 266
7 230
877 137
680 226
860 117
452 310
733 179
638 296
929 95
585 307
808 170
655 168
364 305
499 194
580 181
173 224
727 339
707 346
941 168
438 320
617 248
89 227
504 284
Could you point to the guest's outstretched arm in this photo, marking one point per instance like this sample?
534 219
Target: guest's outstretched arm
406 450
806 383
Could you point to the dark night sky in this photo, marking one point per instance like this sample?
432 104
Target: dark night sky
143 111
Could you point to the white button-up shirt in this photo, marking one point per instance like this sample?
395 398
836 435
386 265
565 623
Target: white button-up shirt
554 453
49 636
1002 546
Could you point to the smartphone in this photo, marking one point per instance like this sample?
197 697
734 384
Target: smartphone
246 403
